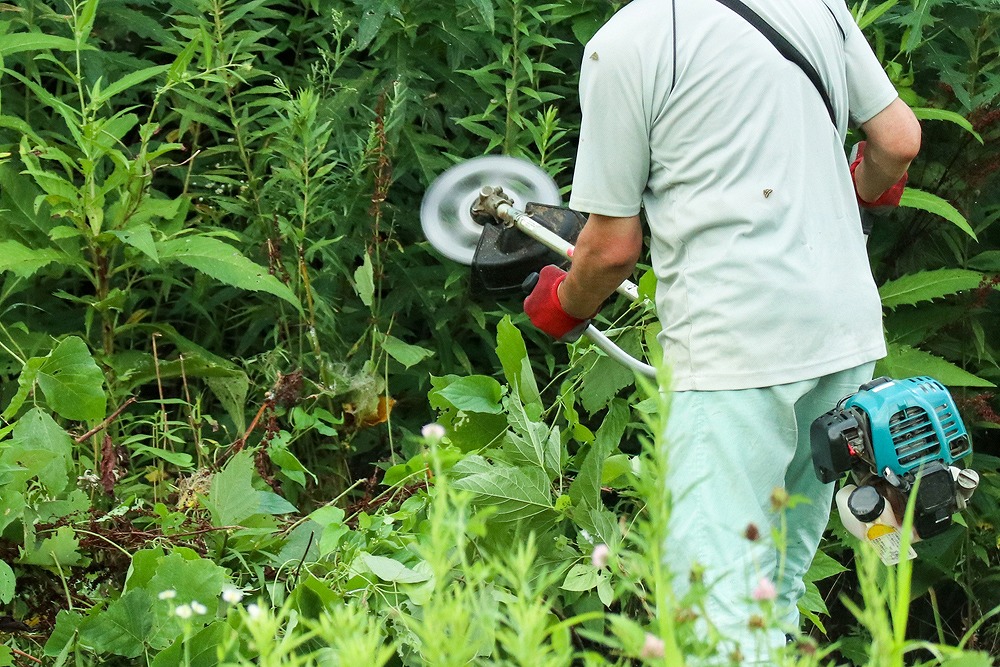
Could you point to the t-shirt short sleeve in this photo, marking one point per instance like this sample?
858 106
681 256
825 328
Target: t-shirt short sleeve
612 164
869 89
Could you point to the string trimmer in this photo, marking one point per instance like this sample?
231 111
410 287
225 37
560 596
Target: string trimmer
502 216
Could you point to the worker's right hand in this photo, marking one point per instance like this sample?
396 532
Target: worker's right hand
546 312
888 199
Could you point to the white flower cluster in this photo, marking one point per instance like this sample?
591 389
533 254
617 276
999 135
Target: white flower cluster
230 594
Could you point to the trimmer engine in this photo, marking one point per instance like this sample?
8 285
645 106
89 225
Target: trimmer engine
891 435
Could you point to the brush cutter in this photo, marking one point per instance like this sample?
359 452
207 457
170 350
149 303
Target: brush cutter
502 216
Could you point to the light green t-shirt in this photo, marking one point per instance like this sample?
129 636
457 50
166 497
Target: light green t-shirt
756 242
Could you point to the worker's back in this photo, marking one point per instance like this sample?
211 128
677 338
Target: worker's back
756 237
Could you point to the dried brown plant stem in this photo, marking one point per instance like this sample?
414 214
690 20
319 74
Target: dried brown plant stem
104 424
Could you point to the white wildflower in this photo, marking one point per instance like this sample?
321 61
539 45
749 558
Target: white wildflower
168 594
232 595
254 612
433 432
184 611
198 608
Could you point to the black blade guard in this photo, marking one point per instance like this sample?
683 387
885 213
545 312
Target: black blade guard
506 256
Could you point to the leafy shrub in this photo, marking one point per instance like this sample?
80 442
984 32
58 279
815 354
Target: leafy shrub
222 331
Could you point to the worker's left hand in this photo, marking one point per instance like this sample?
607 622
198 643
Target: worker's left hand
888 199
546 312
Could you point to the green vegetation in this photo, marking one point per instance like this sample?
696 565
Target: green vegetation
222 336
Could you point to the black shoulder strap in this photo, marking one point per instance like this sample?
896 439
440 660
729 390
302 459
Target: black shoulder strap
785 48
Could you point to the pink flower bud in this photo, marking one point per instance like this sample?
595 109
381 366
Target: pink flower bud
653 647
765 590
599 557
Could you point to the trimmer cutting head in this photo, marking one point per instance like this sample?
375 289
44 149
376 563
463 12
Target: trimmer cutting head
445 213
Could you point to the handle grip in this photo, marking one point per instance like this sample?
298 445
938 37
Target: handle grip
598 338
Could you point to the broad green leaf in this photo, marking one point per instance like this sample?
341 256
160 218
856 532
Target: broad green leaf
812 604
823 567
121 629
926 201
364 281
391 570
17 197
532 442
232 394
331 519
232 497
72 382
603 381
485 10
986 261
23 261
517 494
139 237
586 488
58 551
201 650
226 264
192 578
129 81
927 286
925 113
7 583
615 468
182 460
516 366
581 577
12 505
475 393
602 525
904 361
468 431
64 633
143 567
43 448
269 502
371 21
404 353
605 591
36 41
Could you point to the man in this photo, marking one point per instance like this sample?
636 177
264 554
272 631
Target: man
769 310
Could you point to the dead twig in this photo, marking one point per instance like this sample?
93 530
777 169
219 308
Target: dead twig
24 655
268 404
104 424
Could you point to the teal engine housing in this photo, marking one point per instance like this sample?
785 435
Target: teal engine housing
897 432
912 422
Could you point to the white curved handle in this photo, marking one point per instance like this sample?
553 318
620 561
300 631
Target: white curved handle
598 338
558 244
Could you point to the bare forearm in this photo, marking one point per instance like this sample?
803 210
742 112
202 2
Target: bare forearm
893 139
606 253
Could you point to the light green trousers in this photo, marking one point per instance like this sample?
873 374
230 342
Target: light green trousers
727 453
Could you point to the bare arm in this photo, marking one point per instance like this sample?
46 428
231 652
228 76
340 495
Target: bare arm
606 253
892 141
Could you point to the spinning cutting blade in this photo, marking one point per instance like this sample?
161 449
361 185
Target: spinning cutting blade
445 213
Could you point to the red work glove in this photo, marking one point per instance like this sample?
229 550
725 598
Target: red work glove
544 310
889 198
